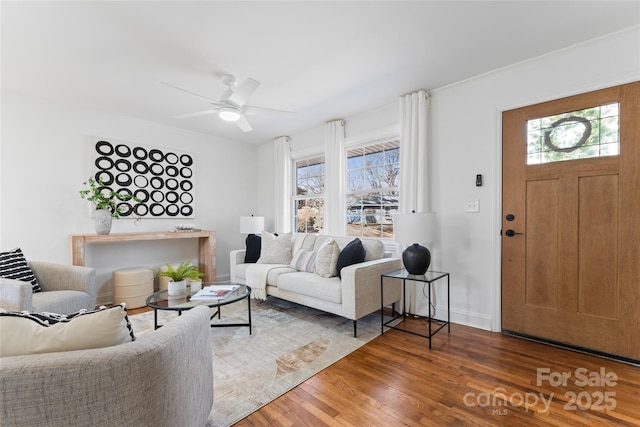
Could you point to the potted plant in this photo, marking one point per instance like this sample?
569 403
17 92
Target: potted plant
105 203
179 275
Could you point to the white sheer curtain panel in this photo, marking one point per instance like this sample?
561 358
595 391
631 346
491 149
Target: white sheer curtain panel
282 147
334 163
414 177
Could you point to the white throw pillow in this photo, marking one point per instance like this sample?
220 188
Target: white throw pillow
327 259
24 333
275 249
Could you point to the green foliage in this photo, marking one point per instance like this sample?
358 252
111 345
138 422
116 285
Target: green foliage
184 271
102 197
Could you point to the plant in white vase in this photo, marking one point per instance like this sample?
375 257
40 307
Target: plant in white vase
178 276
105 203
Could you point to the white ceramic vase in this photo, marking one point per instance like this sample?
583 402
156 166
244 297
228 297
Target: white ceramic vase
177 288
102 221
195 286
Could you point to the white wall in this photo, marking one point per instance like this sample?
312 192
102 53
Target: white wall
45 159
465 129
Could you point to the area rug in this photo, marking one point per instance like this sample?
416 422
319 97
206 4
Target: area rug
289 344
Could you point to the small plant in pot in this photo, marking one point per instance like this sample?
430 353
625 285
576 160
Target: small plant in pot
105 202
178 276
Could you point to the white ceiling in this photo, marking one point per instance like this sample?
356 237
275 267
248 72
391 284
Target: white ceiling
324 60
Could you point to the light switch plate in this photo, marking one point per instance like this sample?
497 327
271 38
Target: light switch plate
472 206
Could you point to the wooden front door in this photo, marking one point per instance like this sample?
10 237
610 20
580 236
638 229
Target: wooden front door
571 221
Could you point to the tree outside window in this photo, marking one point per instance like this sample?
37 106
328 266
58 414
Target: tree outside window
309 198
373 174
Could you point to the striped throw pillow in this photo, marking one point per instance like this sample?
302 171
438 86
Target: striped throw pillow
304 260
13 265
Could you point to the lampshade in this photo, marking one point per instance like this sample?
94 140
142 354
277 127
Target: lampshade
251 224
229 114
414 227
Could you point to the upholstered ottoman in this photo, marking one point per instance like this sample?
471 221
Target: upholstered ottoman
132 286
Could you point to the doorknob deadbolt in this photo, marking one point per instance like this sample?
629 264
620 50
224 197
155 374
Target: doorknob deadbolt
510 217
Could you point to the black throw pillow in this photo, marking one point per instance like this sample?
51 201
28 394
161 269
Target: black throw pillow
353 253
254 244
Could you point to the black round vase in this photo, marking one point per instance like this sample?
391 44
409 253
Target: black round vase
416 259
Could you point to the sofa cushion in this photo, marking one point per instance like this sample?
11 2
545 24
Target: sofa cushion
24 333
327 259
275 249
252 254
13 265
353 253
309 284
304 260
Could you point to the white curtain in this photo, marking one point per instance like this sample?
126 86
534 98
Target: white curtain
282 216
334 163
414 181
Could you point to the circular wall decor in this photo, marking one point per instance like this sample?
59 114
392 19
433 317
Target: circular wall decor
171 158
172 197
123 165
186 172
124 192
172 210
105 177
141 181
124 208
141 209
160 181
141 167
157 196
105 148
171 171
172 184
156 209
186 198
156 155
123 179
104 163
156 169
140 153
141 195
585 134
123 150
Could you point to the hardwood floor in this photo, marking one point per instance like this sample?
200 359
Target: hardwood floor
470 377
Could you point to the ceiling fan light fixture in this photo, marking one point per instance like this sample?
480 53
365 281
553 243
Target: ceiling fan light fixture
229 114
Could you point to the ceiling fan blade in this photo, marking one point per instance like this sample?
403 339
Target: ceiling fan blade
243 124
212 101
196 114
252 109
243 92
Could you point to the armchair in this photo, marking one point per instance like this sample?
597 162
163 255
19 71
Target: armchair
65 289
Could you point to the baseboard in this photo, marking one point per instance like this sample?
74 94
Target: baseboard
466 318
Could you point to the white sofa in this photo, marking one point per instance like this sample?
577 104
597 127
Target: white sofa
354 295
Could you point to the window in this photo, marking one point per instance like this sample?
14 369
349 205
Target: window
372 189
309 198
592 132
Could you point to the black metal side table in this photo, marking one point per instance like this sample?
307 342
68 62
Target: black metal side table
430 277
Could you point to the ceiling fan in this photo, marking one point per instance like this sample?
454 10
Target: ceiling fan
232 105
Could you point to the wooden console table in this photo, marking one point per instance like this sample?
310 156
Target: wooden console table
206 246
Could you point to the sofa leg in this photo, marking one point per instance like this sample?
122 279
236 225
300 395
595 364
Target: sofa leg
355 323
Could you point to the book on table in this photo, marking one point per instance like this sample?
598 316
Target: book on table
214 292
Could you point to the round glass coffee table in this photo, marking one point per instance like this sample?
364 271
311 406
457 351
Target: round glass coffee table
161 300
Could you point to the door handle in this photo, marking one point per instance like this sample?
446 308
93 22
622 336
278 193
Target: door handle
511 233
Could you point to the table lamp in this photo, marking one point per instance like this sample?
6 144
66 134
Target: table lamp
418 228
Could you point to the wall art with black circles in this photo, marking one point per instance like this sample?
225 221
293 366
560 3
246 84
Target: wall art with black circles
162 179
